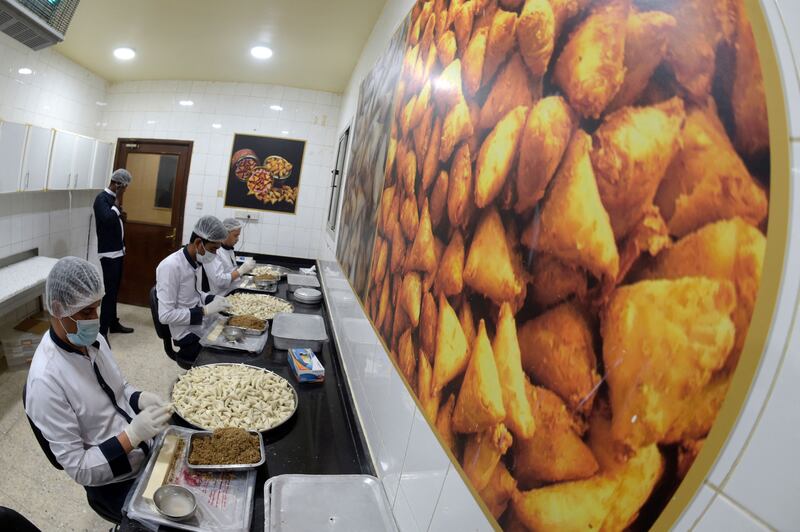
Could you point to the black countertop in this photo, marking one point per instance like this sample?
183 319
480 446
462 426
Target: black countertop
324 436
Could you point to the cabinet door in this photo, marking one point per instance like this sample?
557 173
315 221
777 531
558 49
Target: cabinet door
101 169
82 163
37 158
60 176
12 149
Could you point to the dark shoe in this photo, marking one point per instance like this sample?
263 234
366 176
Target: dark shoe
119 328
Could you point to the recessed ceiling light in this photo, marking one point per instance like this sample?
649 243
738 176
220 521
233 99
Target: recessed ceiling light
124 53
151 122
284 132
101 104
276 107
25 71
186 103
261 52
216 125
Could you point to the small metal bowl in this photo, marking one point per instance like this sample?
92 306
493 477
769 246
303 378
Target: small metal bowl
175 502
232 334
271 286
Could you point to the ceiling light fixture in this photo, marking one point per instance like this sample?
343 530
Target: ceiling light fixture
284 132
101 104
25 71
276 107
186 103
261 52
124 53
216 125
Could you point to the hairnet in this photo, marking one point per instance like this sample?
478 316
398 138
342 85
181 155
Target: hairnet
231 224
72 285
122 176
210 228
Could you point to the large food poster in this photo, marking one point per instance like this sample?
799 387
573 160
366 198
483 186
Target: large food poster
365 175
570 242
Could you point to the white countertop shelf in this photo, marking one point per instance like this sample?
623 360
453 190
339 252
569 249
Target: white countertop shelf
23 279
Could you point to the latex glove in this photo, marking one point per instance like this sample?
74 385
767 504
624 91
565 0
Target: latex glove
247 266
150 399
148 423
219 303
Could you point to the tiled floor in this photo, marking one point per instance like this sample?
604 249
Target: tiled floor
28 483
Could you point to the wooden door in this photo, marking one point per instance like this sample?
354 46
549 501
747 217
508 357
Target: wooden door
154 204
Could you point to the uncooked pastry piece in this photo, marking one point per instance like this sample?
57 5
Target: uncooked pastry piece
574 226
557 351
663 341
632 149
707 180
590 69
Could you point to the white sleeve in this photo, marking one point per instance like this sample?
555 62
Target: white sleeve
218 279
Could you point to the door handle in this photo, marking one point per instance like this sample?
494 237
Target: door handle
172 235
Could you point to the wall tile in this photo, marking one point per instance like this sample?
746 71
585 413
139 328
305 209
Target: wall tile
456 508
724 515
695 509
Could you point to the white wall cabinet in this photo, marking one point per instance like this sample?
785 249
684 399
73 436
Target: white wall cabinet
82 160
12 148
101 168
60 176
36 161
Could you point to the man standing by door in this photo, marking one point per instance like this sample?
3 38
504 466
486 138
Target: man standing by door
109 222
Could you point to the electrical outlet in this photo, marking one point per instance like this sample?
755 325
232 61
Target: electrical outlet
198 206
247 215
219 193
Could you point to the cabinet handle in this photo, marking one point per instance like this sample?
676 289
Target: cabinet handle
27 180
69 180
76 181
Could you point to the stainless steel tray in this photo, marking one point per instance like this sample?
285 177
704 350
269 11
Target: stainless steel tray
297 280
224 467
248 283
250 343
247 330
282 270
257 429
291 331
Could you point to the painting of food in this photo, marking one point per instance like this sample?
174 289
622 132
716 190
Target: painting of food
569 244
264 173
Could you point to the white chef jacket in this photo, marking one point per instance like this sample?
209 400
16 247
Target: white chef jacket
180 296
121 252
80 404
219 272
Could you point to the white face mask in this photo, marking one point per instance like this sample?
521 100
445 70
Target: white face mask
206 257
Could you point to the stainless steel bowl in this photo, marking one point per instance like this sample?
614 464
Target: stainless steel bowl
232 334
175 502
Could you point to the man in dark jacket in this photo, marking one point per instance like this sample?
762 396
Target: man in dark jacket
109 222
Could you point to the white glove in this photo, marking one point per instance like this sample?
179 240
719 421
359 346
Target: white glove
150 399
247 266
148 423
219 303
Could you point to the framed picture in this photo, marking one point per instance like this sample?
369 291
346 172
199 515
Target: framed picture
264 173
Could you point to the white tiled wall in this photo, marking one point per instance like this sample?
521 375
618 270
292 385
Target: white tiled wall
59 94
755 483
150 109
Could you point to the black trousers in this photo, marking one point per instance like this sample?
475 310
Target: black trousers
12 520
188 348
107 501
112 277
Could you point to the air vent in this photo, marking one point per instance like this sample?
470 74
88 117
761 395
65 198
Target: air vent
36 23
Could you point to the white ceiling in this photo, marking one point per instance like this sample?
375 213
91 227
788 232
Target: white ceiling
316 43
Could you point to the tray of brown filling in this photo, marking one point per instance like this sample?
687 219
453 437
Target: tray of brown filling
230 448
249 324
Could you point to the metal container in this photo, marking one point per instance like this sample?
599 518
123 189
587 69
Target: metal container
232 334
224 467
309 503
175 502
291 331
296 281
309 296
246 330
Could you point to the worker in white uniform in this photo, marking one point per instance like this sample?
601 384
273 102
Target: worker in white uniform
182 303
223 275
87 418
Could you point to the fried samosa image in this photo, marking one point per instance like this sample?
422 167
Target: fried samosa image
498 491
438 203
422 256
473 60
497 155
699 410
662 341
407 171
505 347
649 236
510 90
411 296
730 250
557 351
450 277
444 425
490 268
452 352
480 400
409 217
407 358
555 452
547 132
457 127
427 324
553 281
645 48
574 226
464 18
428 400
748 97
446 48
536 31
687 453
447 90
590 69
431 163
467 322
632 149
500 40
482 454
563 10
707 180
459 193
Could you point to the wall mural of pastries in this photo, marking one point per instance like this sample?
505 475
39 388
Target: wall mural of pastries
367 164
264 173
570 242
